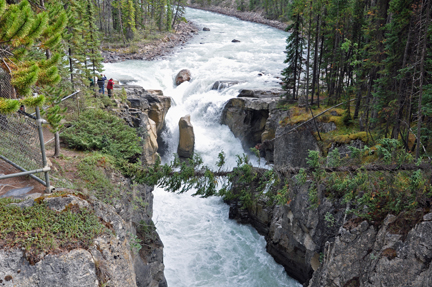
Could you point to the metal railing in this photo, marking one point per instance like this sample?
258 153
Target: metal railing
22 146
21 139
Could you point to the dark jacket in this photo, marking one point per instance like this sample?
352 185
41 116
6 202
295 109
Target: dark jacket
101 81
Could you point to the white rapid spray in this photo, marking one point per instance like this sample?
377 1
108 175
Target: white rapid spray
202 246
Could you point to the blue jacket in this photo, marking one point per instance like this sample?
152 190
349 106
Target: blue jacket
101 81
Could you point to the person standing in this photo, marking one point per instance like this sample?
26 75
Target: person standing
110 87
101 83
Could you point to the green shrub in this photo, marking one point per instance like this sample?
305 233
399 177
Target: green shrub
39 229
98 130
91 170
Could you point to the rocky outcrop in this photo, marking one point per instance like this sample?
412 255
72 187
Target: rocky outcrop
183 76
74 268
146 111
110 261
247 117
254 118
187 138
364 255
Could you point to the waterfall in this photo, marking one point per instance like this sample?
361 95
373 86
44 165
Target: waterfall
202 246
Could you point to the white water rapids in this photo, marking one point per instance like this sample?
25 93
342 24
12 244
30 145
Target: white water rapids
202 246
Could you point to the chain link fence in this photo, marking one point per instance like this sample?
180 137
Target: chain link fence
21 138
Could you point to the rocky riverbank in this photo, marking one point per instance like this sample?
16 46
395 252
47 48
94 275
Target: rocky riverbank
256 17
153 50
182 34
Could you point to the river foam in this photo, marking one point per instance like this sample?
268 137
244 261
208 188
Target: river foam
202 246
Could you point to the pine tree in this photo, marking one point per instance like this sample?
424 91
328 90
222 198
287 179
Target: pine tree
24 34
294 51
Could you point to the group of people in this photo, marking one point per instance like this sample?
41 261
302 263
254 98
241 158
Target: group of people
101 84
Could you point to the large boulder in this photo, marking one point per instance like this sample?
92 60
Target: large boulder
187 138
183 76
246 118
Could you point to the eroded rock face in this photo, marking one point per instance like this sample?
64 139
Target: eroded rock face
246 118
73 269
79 267
292 149
368 256
295 233
146 112
187 138
111 260
183 76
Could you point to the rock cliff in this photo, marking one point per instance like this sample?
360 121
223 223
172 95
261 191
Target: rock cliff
324 246
130 253
112 260
146 111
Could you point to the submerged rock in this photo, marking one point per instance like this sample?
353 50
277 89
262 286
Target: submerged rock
187 138
235 41
206 29
220 85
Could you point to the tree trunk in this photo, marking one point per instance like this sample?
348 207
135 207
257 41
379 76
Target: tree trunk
56 144
308 58
422 61
315 64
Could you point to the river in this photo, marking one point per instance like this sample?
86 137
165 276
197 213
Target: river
202 246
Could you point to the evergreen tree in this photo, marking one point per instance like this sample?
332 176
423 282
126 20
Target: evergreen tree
294 51
24 35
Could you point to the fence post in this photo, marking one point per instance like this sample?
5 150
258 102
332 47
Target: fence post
42 145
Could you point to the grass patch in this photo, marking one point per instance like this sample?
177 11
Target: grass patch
299 115
39 229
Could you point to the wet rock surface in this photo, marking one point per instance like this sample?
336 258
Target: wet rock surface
187 138
221 85
183 76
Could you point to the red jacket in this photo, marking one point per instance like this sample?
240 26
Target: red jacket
110 84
